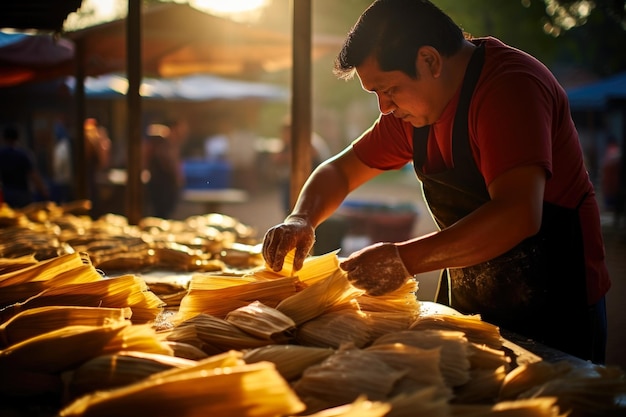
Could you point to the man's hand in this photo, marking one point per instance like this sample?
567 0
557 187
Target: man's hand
377 269
294 232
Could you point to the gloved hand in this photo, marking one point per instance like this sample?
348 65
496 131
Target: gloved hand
294 232
377 269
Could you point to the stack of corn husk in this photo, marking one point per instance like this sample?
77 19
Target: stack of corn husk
210 242
262 343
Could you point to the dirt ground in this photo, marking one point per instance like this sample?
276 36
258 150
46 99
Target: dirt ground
263 210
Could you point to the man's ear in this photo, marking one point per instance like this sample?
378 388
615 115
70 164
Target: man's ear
428 58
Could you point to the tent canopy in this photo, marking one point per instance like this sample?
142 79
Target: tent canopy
23 55
189 88
177 40
596 96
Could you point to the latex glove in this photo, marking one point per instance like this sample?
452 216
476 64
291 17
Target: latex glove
294 232
377 269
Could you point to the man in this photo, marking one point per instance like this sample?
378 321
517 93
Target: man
18 173
489 132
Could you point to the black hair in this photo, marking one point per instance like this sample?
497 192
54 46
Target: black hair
393 31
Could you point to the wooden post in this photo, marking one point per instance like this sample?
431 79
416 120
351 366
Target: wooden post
301 97
134 185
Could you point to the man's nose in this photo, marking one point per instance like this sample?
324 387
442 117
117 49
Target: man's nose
385 104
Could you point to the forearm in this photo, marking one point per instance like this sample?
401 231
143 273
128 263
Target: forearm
317 200
329 185
486 233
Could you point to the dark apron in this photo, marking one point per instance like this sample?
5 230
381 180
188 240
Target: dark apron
536 289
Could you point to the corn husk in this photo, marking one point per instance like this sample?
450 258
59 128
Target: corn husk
529 375
263 322
254 390
483 386
123 291
381 323
343 377
13 264
213 335
119 369
218 296
336 328
185 350
401 301
43 270
290 360
595 390
140 338
36 321
454 363
476 330
484 357
360 407
424 402
61 349
324 295
17 293
421 367
540 407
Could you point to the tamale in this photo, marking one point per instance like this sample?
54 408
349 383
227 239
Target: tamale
540 407
251 390
336 328
119 369
425 402
290 360
482 387
41 320
421 366
220 295
213 335
476 330
343 377
116 292
263 322
360 407
319 298
61 349
13 264
43 270
454 362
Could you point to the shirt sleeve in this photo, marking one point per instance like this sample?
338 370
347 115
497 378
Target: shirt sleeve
386 145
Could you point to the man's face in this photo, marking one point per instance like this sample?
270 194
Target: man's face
416 101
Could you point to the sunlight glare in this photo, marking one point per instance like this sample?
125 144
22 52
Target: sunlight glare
235 9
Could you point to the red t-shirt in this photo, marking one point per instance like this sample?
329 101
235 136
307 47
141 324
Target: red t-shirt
519 115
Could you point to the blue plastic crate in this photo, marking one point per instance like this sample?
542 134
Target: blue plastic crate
207 175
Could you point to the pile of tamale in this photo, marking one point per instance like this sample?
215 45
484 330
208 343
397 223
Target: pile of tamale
210 242
76 340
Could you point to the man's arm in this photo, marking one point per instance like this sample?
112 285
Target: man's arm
513 214
321 195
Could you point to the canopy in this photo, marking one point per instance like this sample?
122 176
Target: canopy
177 40
190 88
596 96
23 55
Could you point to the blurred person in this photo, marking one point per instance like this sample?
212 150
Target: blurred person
19 177
61 165
98 156
162 149
282 160
611 186
490 135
